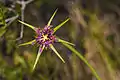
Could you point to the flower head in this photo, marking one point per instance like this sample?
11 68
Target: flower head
45 38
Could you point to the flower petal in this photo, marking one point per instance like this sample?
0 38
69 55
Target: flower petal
52 47
63 41
49 22
27 43
57 27
38 55
30 26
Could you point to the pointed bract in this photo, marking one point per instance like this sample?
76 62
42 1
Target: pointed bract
52 47
49 22
27 43
38 55
30 26
63 41
57 27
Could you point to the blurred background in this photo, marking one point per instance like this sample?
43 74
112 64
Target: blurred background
94 28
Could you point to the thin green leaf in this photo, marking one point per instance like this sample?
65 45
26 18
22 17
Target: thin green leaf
2 15
30 26
49 22
52 47
57 27
63 41
2 21
38 55
83 59
27 43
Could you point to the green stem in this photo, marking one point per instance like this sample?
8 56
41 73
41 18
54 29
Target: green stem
83 59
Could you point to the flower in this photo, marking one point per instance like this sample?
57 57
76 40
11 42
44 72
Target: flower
45 38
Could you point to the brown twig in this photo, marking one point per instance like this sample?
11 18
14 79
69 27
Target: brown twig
23 6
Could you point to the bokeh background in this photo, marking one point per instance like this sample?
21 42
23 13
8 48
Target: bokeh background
94 28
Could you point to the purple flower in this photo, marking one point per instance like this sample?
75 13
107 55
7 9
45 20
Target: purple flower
45 38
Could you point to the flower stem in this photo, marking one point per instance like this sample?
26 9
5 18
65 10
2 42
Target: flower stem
83 59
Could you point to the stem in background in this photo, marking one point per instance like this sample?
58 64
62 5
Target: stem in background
23 4
22 18
10 20
83 59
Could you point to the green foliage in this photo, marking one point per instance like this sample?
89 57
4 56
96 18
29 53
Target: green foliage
2 21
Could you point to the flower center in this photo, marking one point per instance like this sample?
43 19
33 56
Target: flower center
45 36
